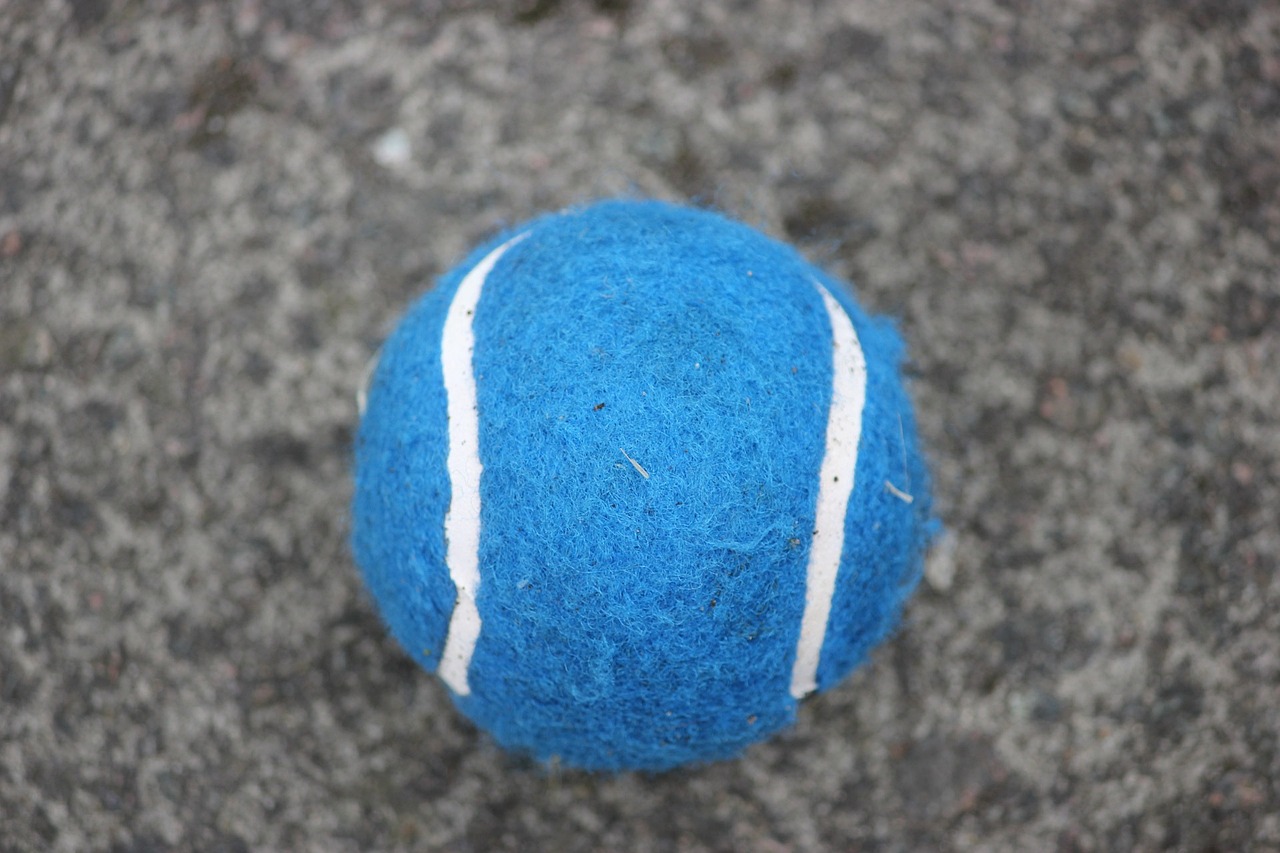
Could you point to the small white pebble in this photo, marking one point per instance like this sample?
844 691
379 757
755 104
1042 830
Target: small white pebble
391 150
940 565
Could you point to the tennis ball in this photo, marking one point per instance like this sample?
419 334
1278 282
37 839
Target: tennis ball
635 479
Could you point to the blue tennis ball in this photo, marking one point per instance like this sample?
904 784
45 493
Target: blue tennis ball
634 479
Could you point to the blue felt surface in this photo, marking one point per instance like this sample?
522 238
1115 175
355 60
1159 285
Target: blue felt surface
632 622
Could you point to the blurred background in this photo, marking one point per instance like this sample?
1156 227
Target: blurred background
211 214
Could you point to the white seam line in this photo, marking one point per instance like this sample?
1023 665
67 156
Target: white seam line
462 519
366 379
835 485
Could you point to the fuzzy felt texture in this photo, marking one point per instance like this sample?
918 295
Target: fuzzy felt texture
633 621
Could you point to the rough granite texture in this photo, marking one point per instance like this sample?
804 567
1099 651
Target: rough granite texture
211 214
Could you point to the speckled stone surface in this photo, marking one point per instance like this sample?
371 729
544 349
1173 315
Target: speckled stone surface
211 214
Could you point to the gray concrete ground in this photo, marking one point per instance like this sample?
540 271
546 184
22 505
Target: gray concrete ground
211 213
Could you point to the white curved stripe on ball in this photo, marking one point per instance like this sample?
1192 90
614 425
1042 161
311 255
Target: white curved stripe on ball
835 485
462 519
